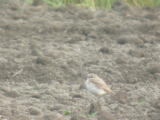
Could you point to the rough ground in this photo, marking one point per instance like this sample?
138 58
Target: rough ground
45 54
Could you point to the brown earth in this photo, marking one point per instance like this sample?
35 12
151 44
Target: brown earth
46 53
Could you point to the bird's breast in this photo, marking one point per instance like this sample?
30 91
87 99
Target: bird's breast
94 89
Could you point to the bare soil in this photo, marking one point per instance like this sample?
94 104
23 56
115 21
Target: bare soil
46 53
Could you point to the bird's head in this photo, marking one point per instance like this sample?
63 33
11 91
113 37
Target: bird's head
91 75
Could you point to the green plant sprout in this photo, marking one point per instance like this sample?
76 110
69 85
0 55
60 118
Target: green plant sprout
67 112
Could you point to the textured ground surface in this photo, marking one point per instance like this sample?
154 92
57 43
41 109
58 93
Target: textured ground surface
45 55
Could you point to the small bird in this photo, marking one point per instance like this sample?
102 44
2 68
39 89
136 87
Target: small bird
96 85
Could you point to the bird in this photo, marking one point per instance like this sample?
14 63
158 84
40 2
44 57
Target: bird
96 85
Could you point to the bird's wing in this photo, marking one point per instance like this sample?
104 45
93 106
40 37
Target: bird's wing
101 84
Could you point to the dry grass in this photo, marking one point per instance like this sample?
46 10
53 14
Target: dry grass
107 4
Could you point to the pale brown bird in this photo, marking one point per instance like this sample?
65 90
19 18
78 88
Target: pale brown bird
96 85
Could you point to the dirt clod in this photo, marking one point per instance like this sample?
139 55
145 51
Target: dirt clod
11 93
53 116
154 115
121 97
154 68
105 115
34 111
104 50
